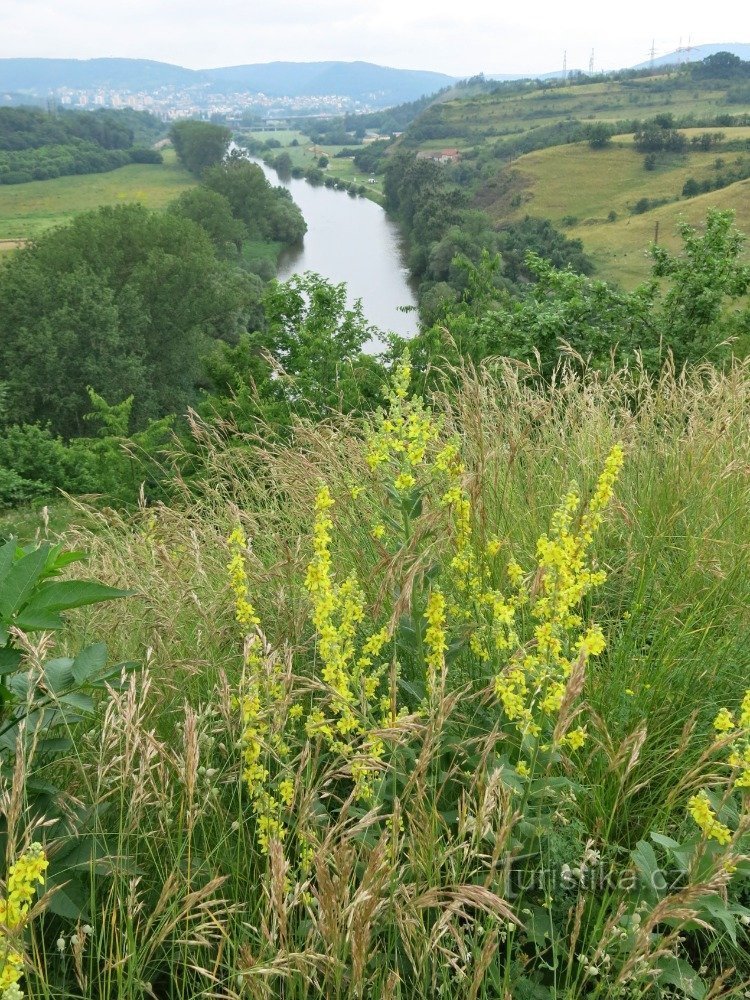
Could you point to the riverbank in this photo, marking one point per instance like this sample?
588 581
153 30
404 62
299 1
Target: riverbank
352 240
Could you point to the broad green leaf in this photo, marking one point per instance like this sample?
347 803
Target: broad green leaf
647 866
715 908
79 701
58 674
680 974
679 852
69 899
20 580
91 660
30 621
9 660
7 554
62 596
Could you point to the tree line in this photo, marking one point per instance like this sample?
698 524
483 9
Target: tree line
39 145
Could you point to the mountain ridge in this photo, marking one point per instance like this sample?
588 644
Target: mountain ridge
356 79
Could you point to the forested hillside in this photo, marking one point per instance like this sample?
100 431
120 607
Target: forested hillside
38 145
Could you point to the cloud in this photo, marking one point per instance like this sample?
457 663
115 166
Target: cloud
461 39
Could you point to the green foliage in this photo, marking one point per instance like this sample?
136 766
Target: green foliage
200 145
123 300
212 212
561 310
35 145
599 135
307 360
703 279
267 213
43 702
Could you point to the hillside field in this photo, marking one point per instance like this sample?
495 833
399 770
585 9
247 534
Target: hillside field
577 188
501 115
26 210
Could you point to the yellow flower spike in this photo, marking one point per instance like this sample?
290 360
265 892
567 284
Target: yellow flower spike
238 581
706 819
404 482
724 721
435 638
24 877
531 693
493 546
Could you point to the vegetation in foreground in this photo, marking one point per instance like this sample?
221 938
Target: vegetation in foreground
448 702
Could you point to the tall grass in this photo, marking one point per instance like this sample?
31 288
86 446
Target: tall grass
455 880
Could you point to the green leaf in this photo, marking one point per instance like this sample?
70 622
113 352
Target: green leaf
679 852
715 908
676 972
7 554
69 594
91 660
9 660
79 701
20 580
58 674
31 621
68 900
644 859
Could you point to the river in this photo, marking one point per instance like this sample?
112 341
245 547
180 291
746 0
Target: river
351 240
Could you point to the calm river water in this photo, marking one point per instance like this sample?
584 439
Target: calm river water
352 240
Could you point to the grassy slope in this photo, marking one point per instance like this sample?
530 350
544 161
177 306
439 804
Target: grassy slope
673 610
619 248
574 181
26 210
492 116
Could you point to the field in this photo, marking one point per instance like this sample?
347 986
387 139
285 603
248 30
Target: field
307 154
577 188
491 116
26 210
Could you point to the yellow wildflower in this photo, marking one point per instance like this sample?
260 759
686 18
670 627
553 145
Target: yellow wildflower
23 879
711 827
724 722
435 638
238 581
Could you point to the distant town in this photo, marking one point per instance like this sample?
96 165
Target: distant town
172 103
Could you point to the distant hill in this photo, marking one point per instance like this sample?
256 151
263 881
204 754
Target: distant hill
40 76
356 80
698 52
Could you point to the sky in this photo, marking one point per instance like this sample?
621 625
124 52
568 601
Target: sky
458 37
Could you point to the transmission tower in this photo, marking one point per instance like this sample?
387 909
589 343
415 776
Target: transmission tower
591 62
652 53
565 65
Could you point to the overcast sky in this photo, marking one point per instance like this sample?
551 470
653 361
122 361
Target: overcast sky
460 37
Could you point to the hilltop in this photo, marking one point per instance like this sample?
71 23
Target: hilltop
356 80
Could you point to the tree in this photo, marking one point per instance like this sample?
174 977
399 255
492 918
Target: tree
123 300
200 144
599 135
268 213
704 278
213 213
307 360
